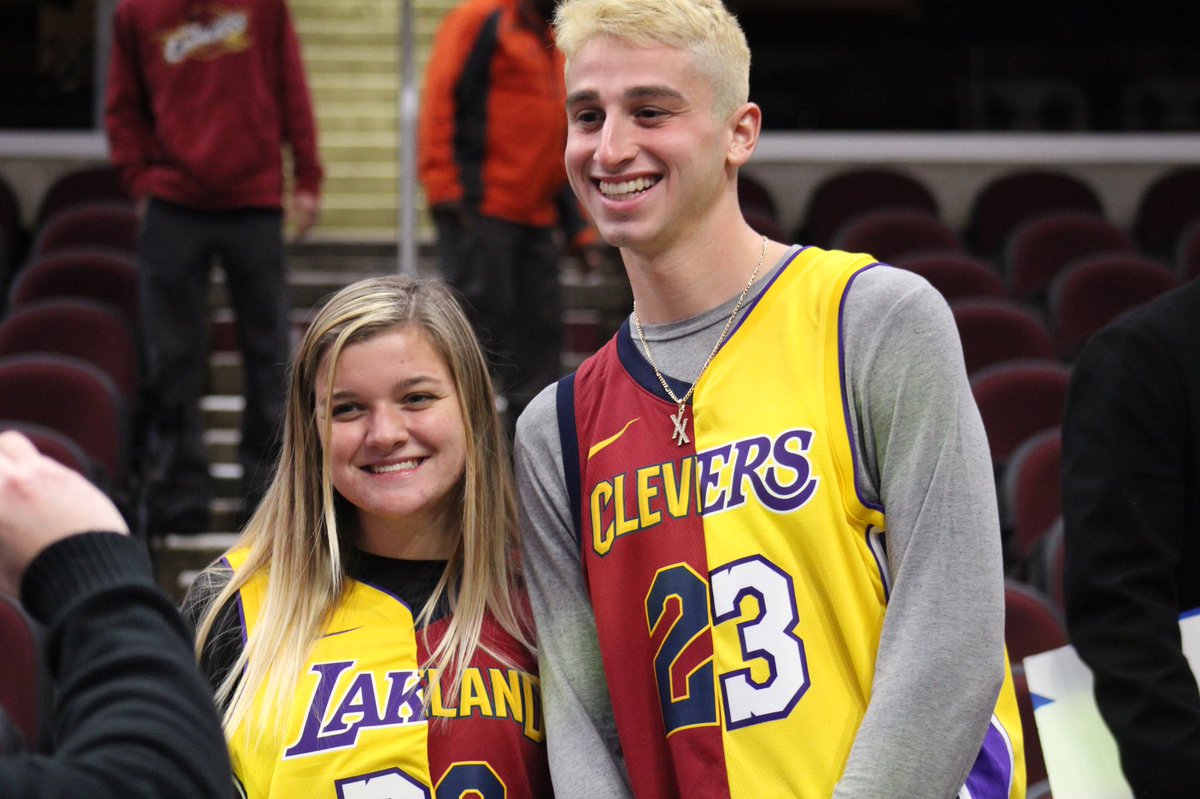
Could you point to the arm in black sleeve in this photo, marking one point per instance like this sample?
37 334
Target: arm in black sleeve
1124 442
132 718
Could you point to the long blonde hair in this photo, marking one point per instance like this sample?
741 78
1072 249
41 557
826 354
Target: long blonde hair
297 535
704 28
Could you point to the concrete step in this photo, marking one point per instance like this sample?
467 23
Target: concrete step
222 410
337 115
227 479
359 214
222 444
366 11
335 32
386 169
379 56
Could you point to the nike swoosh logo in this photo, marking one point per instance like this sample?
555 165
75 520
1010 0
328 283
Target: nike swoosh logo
599 445
342 632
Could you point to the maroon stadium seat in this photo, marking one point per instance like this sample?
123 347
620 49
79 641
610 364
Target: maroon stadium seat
1032 491
1006 201
81 328
848 194
891 233
956 275
74 398
93 225
994 330
1092 291
86 185
1166 207
1042 247
1018 399
108 276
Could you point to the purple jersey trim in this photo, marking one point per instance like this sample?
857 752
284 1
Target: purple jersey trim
992 775
845 394
754 302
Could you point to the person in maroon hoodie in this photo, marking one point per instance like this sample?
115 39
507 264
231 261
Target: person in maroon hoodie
202 97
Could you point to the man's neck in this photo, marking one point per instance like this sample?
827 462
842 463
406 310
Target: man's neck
695 276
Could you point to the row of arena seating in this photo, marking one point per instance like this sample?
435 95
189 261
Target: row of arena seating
70 366
1037 238
1164 208
70 354
86 185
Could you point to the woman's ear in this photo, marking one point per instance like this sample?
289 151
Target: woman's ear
746 124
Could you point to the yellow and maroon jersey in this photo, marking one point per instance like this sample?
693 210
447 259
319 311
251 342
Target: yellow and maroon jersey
357 727
739 581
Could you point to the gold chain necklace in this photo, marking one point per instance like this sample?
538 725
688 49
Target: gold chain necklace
680 436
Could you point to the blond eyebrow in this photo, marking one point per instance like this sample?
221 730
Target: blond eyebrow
642 92
582 96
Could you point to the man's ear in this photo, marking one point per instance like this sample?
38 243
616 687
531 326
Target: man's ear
746 124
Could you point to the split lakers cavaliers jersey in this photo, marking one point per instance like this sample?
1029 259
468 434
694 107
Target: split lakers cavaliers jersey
359 727
738 580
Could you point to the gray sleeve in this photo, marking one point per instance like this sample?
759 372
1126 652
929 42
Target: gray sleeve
581 736
923 455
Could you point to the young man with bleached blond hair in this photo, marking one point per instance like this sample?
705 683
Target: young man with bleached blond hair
759 525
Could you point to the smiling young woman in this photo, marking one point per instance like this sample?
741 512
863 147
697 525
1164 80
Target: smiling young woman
368 630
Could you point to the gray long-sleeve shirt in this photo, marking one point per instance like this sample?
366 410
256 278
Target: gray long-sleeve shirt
921 454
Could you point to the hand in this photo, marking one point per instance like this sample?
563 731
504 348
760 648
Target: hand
302 213
41 503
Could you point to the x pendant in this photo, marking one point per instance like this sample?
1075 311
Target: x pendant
680 436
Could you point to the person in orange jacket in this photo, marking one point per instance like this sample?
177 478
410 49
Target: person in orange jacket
490 156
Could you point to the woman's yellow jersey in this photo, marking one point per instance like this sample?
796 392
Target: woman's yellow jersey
358 728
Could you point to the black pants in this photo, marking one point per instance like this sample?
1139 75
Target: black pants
176 250
508 275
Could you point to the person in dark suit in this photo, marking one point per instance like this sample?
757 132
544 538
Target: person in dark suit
1131 518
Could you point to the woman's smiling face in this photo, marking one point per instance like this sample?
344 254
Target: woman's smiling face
396 440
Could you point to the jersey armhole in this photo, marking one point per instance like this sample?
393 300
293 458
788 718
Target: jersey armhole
569 439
